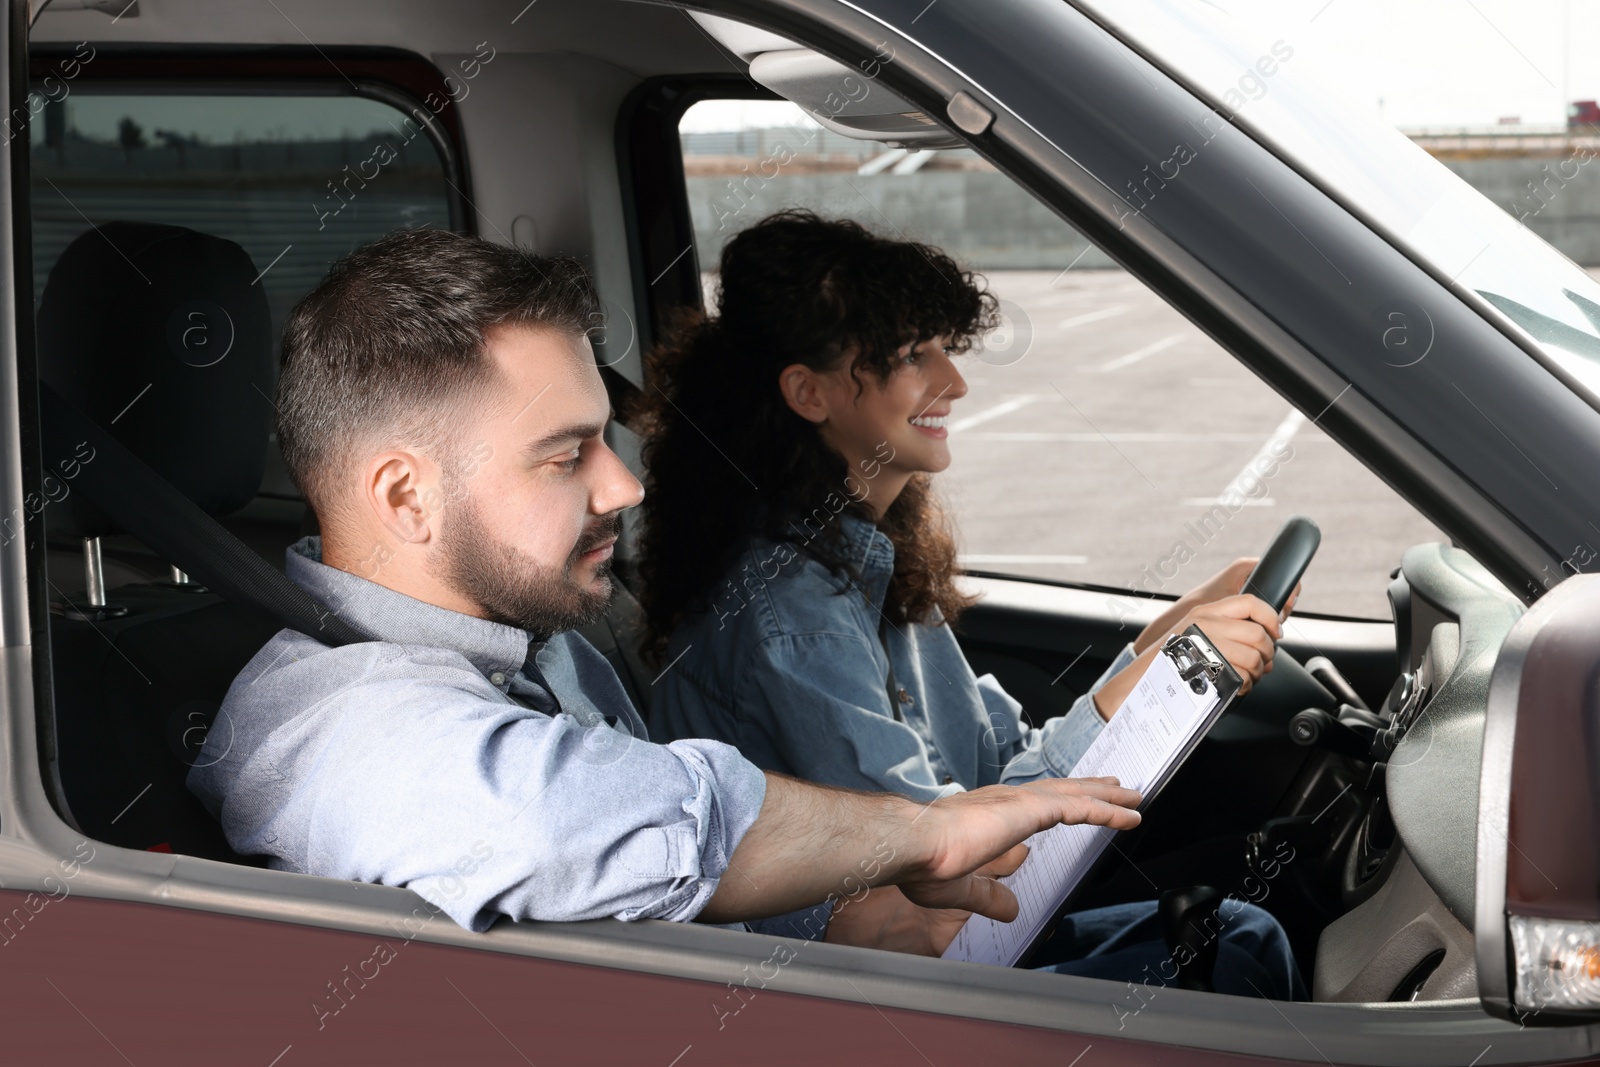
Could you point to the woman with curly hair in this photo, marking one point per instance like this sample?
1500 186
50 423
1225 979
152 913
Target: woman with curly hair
799 576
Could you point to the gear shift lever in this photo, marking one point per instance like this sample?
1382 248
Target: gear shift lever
1184 924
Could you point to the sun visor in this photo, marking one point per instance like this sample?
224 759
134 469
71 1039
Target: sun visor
839 97
746 42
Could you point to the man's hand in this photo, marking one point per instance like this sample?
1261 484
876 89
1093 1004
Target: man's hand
883 918
889 918
813 842
970 830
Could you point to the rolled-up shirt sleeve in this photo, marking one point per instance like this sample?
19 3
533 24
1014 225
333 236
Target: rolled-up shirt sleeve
530 815
1053 749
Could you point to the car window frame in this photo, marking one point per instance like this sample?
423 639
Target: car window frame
387 76
1243 312
662 254
657 210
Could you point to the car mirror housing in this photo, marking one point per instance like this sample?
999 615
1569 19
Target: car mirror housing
1538 859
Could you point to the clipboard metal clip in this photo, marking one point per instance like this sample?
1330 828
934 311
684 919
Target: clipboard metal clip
1198 662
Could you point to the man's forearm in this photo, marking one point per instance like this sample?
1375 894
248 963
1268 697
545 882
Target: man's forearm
812 842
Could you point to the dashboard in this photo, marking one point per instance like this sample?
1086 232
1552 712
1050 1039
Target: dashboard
1411 869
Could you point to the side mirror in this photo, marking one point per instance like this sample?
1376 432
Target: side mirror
1538 876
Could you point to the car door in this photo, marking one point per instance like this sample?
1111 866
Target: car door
119 952
123 945
1221 224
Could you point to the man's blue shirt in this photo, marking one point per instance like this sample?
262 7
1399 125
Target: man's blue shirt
436 757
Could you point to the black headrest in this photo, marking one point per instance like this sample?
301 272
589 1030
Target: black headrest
162 336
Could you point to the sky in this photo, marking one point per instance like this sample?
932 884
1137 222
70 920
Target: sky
1425 63
1418 63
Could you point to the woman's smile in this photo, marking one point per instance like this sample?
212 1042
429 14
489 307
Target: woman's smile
933 425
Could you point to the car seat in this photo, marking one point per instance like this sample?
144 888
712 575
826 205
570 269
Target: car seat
160 336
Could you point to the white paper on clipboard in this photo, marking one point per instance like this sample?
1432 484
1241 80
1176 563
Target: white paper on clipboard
1162 719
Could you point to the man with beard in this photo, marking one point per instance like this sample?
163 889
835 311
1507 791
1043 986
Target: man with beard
441 410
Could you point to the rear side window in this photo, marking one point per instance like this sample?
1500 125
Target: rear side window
296 180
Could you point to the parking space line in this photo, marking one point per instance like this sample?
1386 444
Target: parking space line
1247 502
1269 450
1135 356
1005 407
1138 437
1092 316
990 557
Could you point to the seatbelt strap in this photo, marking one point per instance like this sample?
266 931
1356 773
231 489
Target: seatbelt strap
894 690
147 506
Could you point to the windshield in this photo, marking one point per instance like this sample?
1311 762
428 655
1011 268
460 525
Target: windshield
1438 217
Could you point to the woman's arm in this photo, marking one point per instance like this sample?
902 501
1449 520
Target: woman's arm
1054 748
1243 628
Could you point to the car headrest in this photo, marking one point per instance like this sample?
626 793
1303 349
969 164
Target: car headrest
160 334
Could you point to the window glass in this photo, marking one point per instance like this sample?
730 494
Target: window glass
298 181
1242 54
1089 447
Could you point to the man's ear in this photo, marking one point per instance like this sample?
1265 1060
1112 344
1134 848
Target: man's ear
802 391
401 491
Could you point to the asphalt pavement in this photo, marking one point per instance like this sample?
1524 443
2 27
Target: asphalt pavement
1106 439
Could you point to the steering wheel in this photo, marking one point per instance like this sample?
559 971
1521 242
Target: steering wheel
1273 580
1284 561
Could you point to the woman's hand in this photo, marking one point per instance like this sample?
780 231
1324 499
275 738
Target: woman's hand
1229 581
1243 628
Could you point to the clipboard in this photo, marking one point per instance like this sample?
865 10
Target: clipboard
1181 694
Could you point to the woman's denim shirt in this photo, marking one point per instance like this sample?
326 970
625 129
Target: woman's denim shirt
788 666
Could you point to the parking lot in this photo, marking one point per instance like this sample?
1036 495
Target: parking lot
1108 440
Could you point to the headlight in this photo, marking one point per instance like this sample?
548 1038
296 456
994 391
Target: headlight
1557 963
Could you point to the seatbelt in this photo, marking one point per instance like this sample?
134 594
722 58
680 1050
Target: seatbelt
169 524
893 687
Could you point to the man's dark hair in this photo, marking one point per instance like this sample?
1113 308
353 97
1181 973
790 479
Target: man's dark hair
389 347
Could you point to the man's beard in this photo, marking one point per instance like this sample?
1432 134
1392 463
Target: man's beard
511 587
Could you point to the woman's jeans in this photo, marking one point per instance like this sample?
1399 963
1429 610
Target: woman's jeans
1124 943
